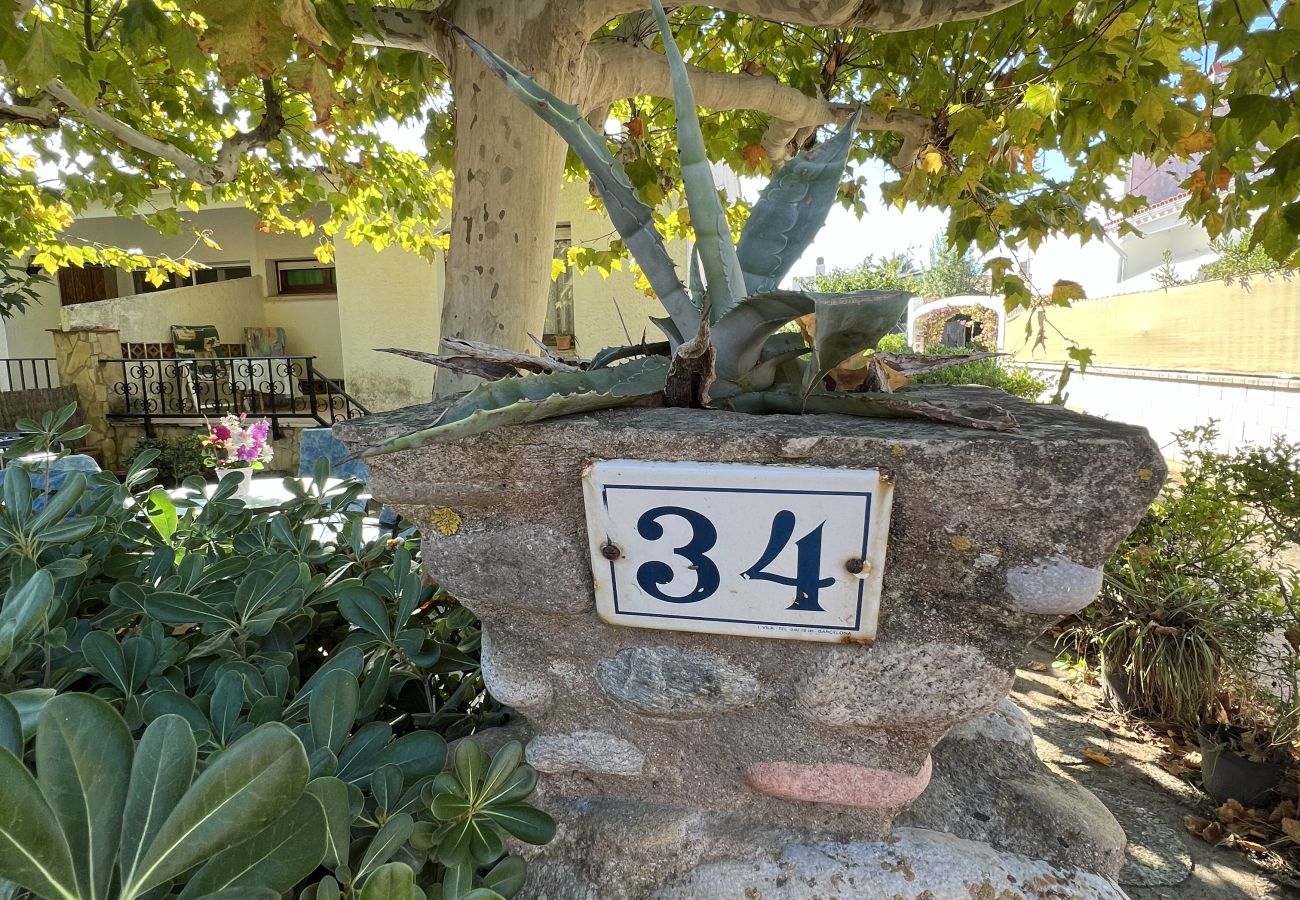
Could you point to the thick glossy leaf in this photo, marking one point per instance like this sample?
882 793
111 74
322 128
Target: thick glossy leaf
515 401
631 217
725 281
792 209
395 881
277 857
33 850
18 491
507 877
457 881
357 760
83 761
243 893
60 504
332 709
174 703
848 324
469 763
172 608
332 794
352 659
527 823
364 609
11 729
29 704
504 764
27 606
390 838
103 652
254 782
160 775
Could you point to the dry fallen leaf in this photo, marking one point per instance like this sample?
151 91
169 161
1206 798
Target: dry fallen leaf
1230 812
1251 846
1098 757
1291 828
1038 666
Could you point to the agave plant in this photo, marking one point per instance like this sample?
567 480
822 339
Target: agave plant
725 348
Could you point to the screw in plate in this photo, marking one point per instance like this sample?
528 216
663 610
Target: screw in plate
611 551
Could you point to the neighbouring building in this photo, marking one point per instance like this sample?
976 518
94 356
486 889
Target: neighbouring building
335 313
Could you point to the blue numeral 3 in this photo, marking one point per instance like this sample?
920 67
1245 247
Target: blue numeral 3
652 576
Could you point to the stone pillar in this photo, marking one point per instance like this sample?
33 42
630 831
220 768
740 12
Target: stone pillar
80 352
709 766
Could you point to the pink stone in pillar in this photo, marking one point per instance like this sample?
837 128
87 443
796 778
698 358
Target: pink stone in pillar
839 783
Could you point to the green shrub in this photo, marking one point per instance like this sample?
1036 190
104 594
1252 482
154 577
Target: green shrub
177 458
161 655
1191 596
995 373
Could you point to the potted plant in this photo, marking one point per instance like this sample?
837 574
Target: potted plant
236 445
665 745
1192 619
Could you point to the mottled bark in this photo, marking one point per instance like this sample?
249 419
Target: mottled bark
508 167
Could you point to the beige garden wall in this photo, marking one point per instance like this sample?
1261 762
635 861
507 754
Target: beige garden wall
231 306
1247 327
311 327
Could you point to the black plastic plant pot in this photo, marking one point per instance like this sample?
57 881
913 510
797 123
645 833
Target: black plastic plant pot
1230 775
1117 686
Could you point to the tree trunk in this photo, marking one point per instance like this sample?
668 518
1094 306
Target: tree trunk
508 170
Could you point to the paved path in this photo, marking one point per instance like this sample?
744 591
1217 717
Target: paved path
1164 861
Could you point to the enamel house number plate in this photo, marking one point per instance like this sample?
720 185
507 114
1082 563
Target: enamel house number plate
766 551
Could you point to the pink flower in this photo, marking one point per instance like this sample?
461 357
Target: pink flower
221 433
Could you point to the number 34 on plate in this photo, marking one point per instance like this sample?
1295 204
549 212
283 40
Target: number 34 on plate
765 551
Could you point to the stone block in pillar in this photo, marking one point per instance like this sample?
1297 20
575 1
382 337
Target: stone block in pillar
79 354
677 762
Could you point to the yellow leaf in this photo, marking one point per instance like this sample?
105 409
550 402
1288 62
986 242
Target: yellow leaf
1196 142
1098 757
558 268
300 15
27 163
932 162
47 261
155 276
1065 291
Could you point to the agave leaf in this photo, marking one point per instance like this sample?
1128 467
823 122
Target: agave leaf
792 209
630 215
923 364
851 323
742 332
611 355
972 414
725 279
515 401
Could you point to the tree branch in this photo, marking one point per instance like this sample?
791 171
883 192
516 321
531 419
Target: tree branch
620 70
407 29
873 15
229 154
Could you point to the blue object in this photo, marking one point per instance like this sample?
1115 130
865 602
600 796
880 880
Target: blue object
60 469
317 443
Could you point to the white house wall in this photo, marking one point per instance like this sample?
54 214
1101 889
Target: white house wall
388 298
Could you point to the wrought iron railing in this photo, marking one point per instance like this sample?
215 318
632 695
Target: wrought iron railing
27 373
282 389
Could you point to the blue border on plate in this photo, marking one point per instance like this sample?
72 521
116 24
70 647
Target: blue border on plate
866 533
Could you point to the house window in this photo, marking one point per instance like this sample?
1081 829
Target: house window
304 276
209 275
558 332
